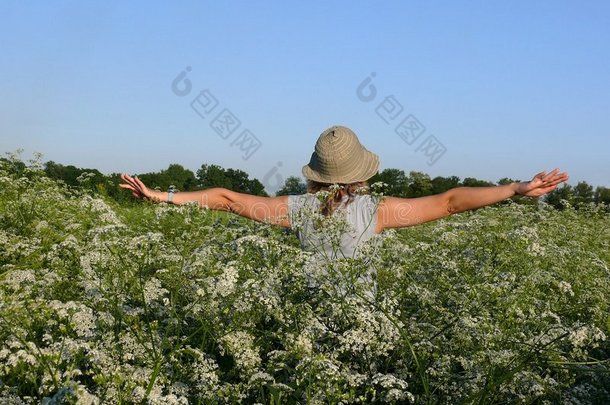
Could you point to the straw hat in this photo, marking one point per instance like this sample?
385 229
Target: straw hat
340 158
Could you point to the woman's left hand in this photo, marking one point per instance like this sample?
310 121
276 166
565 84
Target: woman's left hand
542 183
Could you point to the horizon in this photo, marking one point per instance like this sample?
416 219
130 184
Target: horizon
469 90
300 176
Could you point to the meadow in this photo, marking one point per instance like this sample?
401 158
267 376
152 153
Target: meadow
102 303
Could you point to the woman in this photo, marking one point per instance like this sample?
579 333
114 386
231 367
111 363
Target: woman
337 183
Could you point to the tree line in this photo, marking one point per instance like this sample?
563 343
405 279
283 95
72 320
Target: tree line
418 184
398 183
175 177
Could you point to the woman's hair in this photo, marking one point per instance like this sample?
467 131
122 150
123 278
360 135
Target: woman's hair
336 194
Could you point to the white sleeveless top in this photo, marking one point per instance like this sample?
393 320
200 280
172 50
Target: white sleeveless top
341 236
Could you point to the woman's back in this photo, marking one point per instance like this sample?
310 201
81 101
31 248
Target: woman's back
339 235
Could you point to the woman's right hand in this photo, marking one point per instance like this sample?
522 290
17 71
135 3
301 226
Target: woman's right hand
138 189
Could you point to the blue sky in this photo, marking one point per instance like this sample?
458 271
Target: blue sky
505 89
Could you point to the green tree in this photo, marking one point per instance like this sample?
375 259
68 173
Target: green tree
420 184
175 175
15 165
583 193
441 184
292 186
210 176
257 188
602 195
472 182
565 192
239 180
181 178
71 175
506 180
396 180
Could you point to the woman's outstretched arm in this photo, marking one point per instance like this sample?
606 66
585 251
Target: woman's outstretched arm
466 198
263 209
401 212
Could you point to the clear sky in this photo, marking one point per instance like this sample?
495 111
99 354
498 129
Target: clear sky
505 89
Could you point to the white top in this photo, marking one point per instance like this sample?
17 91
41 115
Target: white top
341 235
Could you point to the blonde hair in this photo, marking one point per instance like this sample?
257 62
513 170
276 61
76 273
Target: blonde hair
336 192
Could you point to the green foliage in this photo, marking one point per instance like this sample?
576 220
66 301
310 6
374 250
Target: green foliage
441 184
292 186
109 303
583 193
89 179
396 180
602 196
174 176
579 196
420 184
472 182
210 176
561 198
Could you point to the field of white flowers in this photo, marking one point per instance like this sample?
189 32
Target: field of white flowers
142 303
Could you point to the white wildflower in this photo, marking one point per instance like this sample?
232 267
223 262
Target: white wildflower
104 211
18 279
536 249
224 284
83 322
42 225
566 288
153 291
204 375
260 378
240 345
586 335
